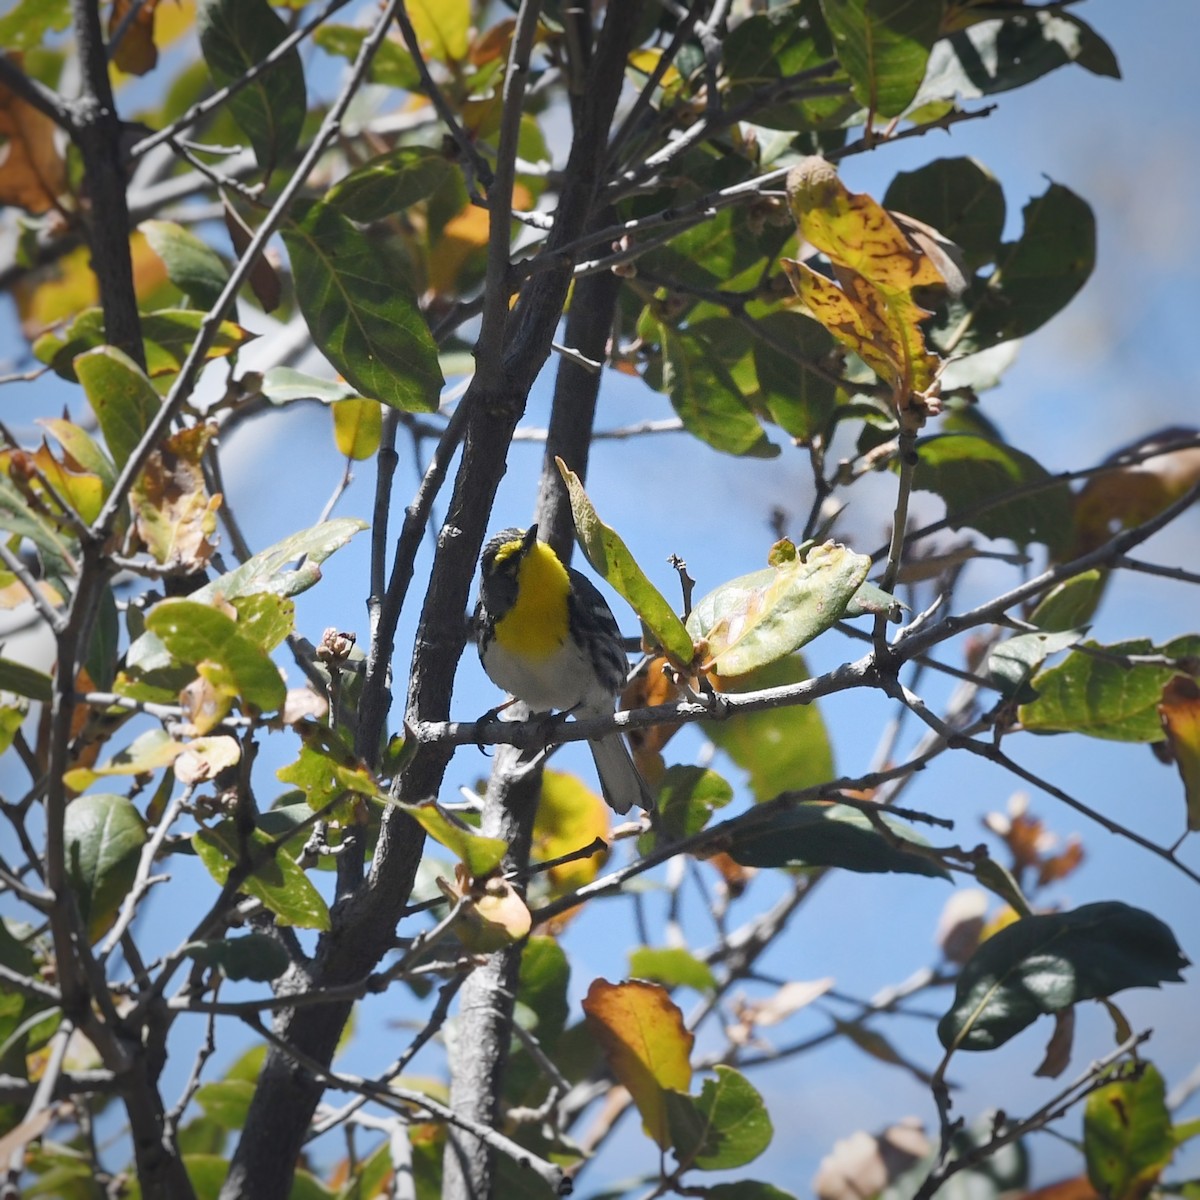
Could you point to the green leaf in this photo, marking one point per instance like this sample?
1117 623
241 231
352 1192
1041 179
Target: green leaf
969 472
542 987
121 396
884 46
80 445
672 966
744 1189
1035 277
327 768
16 517
1127 1136
1090 693
193 266
799 400
194 632
236 35
481 855
104 647
960 198
275 879
227 1101
1071 603
1043 964
392 65
612 561
760 618
282 385
103 837
726 1126
816 833
687 798
25 25
256 957
996 55
362 315
390 183
1012 663
780 748
25 681
265 618
12 717
708 401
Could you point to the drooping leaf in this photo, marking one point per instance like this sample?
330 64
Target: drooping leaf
570 816
492 915
1035 277
18 518
390 183
357 427
725 1127
884 46
197 633
542 987
33 172
780 748
816 833
800 400
973 475
760 618
1070 604
121 396
1127 1136
25 681
193 266
362 314
960 198
103 837
612 561
275 878
646 1045
687 798
1044 963
479 854
1012 663
1179 711
236 35
256 957
1093 691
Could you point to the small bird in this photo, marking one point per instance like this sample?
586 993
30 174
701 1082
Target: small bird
547 636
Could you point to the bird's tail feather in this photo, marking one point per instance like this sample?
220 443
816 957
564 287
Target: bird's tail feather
620 780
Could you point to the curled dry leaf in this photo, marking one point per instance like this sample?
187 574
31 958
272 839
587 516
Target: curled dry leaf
789 999
205 758
33 174
960 927
864 1164
1179 711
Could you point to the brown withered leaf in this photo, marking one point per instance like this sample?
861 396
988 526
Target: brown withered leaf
1058 1048
1179 711
864 1164
33 174
176 518
135 53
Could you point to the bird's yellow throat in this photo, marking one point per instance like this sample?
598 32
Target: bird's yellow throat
537 625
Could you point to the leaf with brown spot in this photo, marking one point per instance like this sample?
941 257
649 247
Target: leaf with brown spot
648 1048
176 518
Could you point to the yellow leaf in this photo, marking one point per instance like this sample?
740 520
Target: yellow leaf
1179 711
357 427
441 27
643 1037
145 754
645 62
569 817
493 915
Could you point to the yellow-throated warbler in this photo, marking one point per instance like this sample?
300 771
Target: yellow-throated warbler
547 636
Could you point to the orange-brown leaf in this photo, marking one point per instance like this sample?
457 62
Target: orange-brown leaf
1179 711
643 1037
33 174
135 53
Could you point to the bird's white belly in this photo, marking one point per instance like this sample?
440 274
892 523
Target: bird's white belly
562 680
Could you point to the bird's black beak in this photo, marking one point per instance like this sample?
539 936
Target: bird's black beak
530 537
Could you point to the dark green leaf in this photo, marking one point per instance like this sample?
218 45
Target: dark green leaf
672 966
783 748
1035 277
121 396
542 987
362 316
236 35
819 834
274 877
255 956
1043 964
1093 694
1071 603
105 644
16 517
799 399
1127 1136
390 183
103 837
970 472
687 797
193 266
884 46
996 55
707 399
726 1126
225 655
1011 664
961 200
744 1189
25 681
